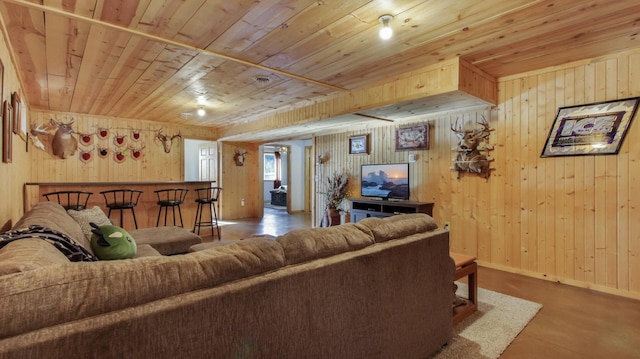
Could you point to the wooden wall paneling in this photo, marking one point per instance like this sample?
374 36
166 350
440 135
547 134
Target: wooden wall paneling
548 179
240 182
633 269
498 187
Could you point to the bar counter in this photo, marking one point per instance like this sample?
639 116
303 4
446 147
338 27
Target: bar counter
146 210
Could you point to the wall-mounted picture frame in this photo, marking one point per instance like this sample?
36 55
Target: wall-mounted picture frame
16 104
359 145
591 129
414 137
7 132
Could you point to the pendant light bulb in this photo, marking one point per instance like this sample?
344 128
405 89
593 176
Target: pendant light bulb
386 32
201 111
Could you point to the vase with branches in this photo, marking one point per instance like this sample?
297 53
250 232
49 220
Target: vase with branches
337 192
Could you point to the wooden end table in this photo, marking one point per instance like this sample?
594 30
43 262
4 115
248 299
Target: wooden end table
466 266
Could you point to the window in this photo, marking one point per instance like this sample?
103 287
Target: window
269 167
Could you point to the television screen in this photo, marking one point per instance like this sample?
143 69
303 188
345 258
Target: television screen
386 181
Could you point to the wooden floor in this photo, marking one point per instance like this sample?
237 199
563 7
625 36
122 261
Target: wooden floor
573 323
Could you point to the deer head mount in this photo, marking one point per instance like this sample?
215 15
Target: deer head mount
167 141
472 155
63 144
238 157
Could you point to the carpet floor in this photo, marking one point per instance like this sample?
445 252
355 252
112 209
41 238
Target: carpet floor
489 331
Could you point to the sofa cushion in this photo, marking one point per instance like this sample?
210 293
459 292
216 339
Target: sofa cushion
302 245
86 216
27 254
166 240
145 250
399 226
54 216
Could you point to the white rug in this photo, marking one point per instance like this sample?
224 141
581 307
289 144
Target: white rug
488 332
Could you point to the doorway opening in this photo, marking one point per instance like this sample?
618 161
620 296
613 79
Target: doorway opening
277 178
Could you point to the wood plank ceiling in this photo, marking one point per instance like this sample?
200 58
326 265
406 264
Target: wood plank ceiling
160 60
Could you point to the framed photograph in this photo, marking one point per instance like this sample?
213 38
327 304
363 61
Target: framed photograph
593 129
7 132
359 145
269 167
16 104
415 137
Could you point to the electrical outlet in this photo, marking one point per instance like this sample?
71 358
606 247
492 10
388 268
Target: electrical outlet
242 202
447 226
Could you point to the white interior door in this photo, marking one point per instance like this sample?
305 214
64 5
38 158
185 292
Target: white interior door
208 160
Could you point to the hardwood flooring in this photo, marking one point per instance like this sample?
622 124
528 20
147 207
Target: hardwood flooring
573 323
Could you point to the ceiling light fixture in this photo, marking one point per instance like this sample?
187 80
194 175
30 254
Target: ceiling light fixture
386 32
201 111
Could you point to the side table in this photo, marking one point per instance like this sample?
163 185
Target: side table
466 266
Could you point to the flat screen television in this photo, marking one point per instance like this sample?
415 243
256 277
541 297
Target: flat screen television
386 181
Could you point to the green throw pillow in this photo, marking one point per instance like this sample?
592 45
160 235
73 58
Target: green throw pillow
112 242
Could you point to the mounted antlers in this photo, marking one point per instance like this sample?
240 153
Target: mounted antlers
167 141
469 158
238 157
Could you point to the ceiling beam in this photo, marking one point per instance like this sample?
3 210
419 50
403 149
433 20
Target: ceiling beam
51 10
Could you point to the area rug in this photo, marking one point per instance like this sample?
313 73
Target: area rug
489 331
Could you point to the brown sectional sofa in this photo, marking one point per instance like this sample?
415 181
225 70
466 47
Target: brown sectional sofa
380 288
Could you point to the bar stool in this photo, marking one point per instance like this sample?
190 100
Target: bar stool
121 199
170 197
209 197
76 200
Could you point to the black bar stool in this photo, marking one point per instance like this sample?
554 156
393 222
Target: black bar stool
170 198
121 199
76 200
209 197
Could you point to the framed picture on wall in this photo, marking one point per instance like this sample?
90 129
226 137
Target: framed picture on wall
7 132
593 129
359 145
415 137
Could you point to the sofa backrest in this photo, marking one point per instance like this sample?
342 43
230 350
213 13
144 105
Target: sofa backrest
62 293
302 245
399 226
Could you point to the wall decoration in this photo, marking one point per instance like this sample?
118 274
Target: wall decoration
473 148
359 144
23 123
167 141
7 122
86 139
103 152
415 137
136 152
269 166
238 157
119 156
85 155
593 129
136 135
16 103
119 140
103 133
63 144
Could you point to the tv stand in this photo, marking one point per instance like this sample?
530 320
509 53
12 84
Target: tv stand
365 207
